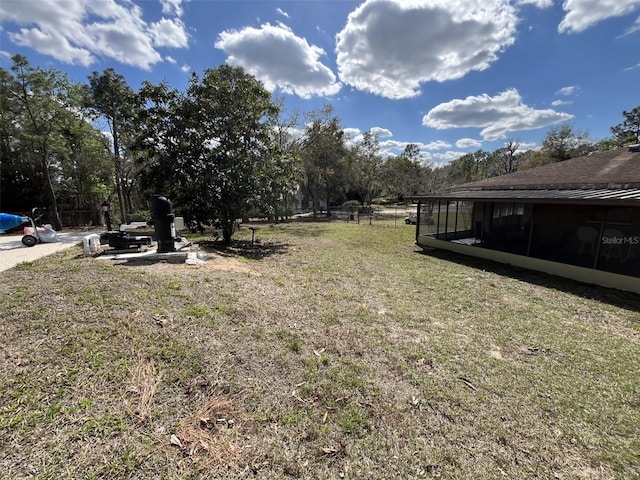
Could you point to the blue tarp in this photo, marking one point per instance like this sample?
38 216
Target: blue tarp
8 221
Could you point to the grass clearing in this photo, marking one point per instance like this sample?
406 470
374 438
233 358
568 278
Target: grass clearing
326 350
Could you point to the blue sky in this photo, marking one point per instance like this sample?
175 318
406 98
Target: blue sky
452 76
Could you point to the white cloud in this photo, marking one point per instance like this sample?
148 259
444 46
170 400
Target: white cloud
351 133
169 33
123 41
282 12
354 135
381 132
446 157
633 28
536 3
53 44
172 7
280 59
570 90
497 116
527 146
390 47
582 14
84 29
391 147
468 143
437 145
185 68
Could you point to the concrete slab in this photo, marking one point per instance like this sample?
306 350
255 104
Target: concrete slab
151 254
13 252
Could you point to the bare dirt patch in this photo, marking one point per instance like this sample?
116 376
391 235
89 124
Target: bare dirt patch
210 262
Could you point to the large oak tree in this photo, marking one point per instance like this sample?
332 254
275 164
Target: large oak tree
212 148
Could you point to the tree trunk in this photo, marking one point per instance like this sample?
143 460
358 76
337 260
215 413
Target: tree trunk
314 202
51 195
227 232
118 171
328 213
119 193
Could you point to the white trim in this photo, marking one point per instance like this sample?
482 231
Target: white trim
581 274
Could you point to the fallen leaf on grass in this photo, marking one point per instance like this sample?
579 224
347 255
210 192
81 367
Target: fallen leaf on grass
468 384
294 394
329 450
175 441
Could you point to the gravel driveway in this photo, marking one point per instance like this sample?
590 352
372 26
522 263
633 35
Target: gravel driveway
12 251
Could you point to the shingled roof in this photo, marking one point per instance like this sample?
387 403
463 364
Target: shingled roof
615 169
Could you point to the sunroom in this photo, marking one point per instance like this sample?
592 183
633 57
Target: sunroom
590 234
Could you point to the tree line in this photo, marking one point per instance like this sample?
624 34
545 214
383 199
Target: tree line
220 149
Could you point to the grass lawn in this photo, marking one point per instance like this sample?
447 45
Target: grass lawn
326 350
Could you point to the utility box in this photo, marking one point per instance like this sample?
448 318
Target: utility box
163 221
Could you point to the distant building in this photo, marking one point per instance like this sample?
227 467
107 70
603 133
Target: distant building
578 219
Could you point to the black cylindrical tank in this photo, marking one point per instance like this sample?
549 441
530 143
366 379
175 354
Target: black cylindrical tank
162 219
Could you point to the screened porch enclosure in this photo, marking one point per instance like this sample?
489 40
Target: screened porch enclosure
601 237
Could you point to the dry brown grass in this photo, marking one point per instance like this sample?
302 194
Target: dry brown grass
213 435
141 389
326 350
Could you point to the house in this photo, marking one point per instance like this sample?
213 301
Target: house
579 219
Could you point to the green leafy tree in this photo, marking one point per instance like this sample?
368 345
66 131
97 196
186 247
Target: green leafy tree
14 174
400 177
562 143
405 175
606 144
468 168
628 132
41 104
283 174
159 128
426 180
213 145
365 169
532 159
111 98
87 173
411 152
323 154
52 156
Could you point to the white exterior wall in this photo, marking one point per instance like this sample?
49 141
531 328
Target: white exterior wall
581 274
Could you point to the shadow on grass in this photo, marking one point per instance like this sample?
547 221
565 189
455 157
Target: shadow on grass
256 250
626 300
298 227
239 248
